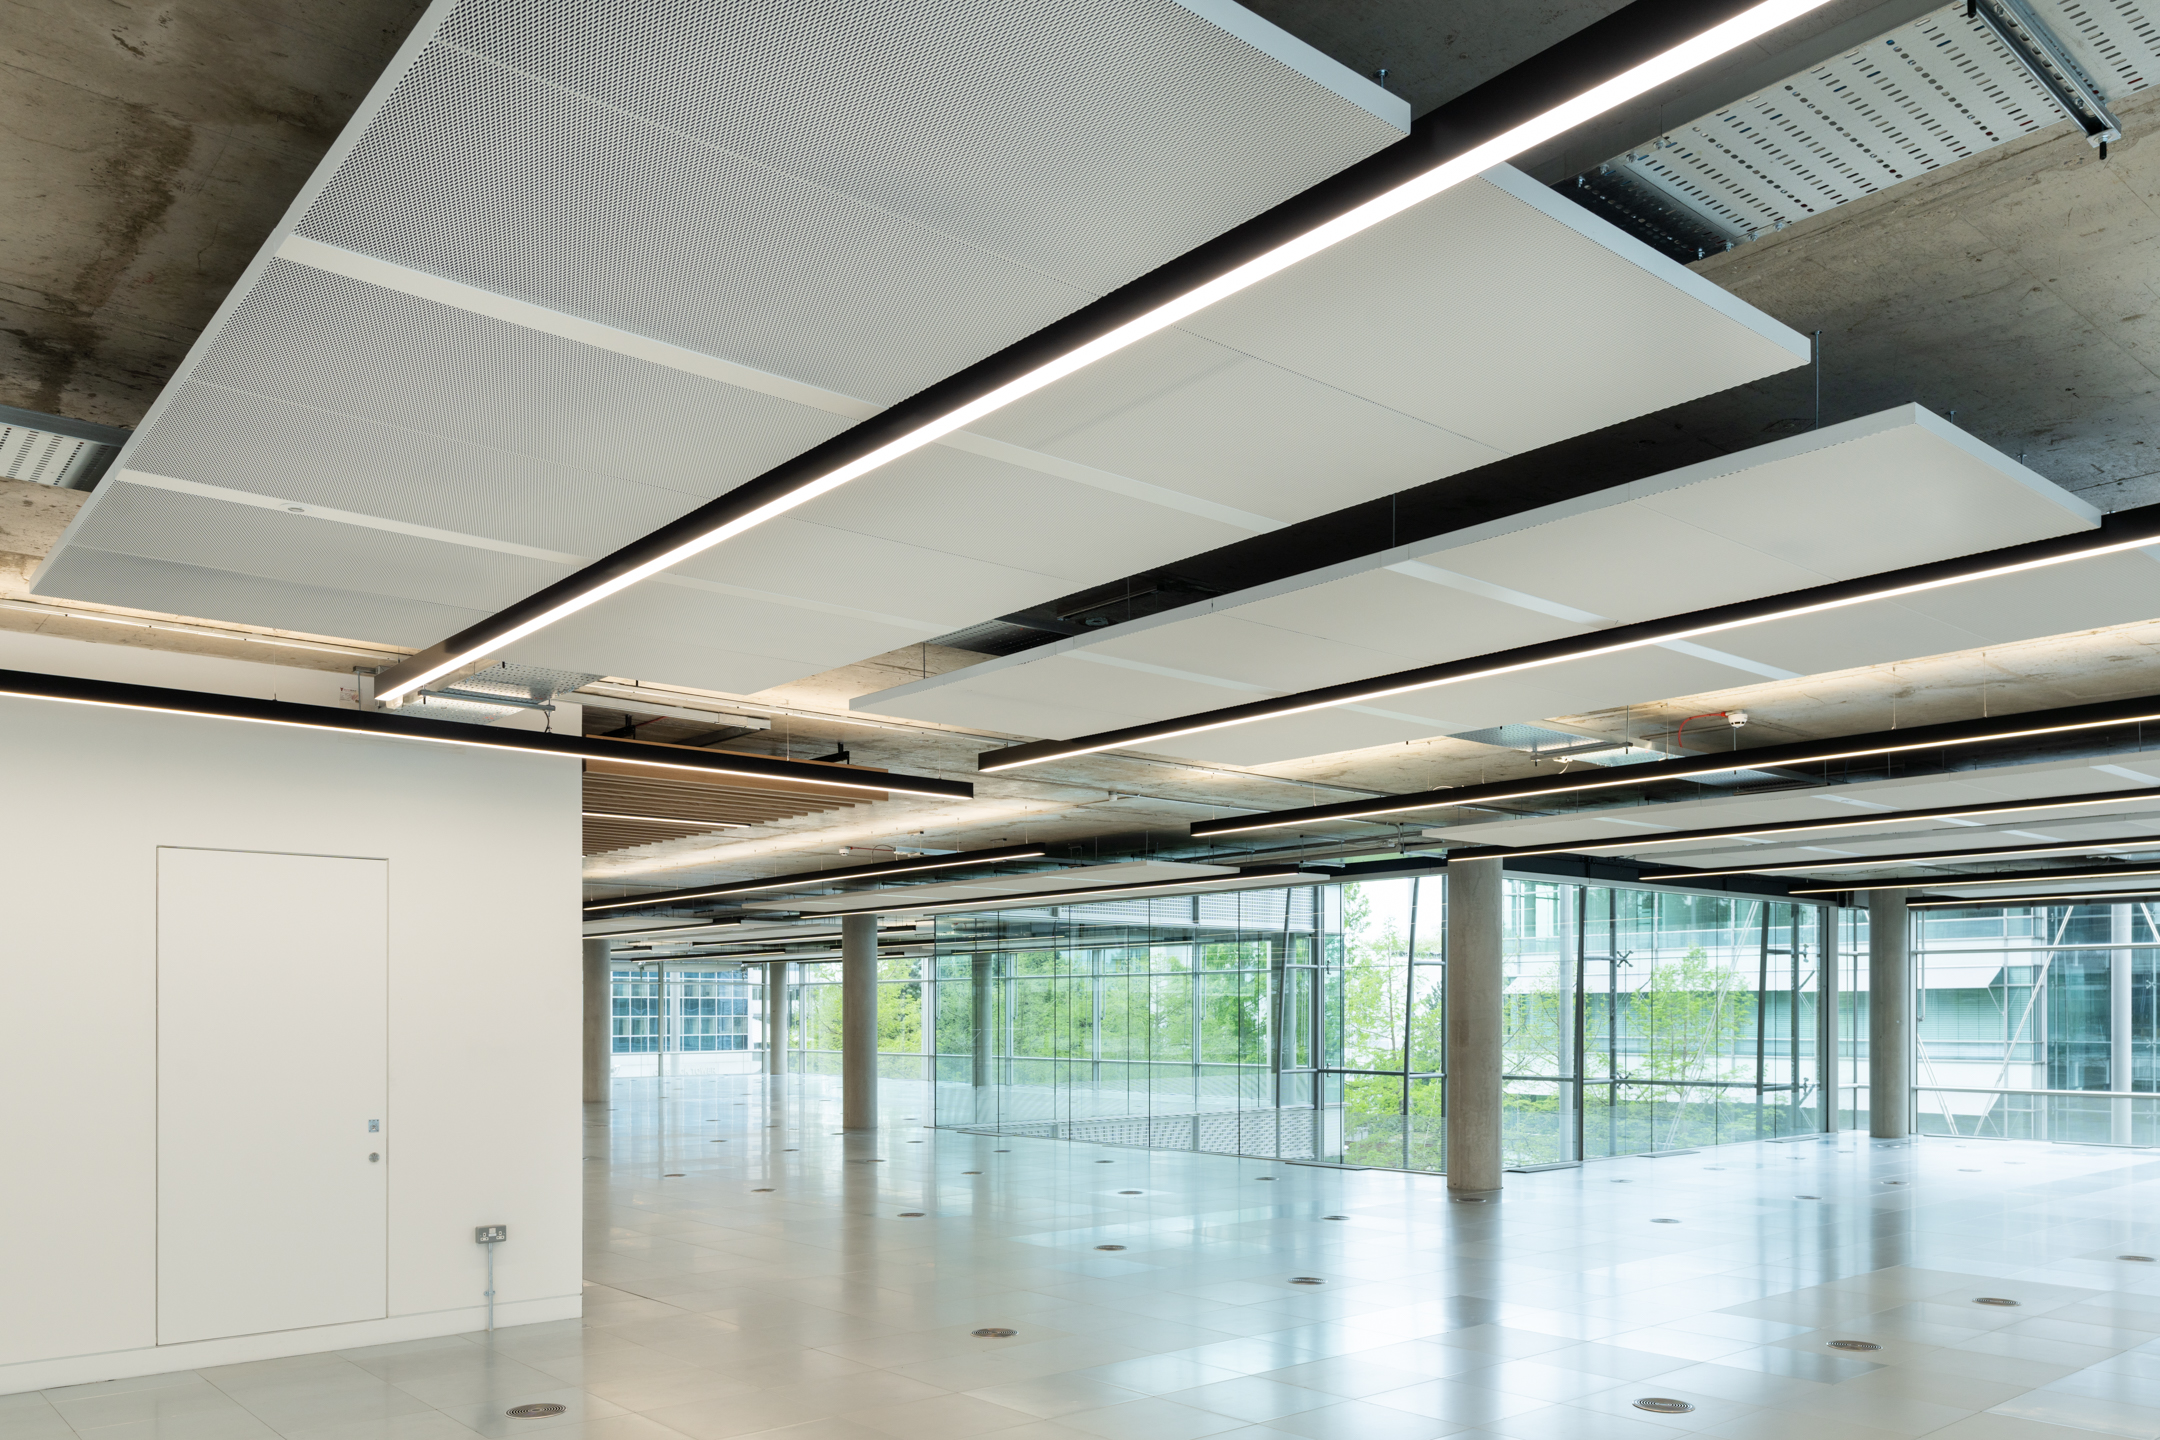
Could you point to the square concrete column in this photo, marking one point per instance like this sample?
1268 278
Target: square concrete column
599 1020
1890 1015
858 1022
1476 904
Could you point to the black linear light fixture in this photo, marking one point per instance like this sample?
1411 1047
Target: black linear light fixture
1923 857
1625 55
991 900
2011 877
1795 827
817 877
389 725
1989 902
2124 530
2143 709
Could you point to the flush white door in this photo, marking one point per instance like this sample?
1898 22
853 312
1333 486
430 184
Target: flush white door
272 981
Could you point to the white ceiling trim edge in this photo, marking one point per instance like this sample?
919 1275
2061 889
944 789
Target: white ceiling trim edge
1829 437
404 280
1286 49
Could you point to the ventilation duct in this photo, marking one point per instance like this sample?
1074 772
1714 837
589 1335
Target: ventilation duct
52 450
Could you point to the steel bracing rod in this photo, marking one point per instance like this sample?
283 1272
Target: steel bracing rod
107 694
1793 827
809 878
2123 530
1797 754
1549 89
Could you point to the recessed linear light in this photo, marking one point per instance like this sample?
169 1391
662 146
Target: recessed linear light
1796 827
665 820
819 877
2073 897
2019 877
2142 525
1920 858
389 725
1606 64
2143 709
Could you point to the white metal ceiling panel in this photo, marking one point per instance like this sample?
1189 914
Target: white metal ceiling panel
559 220
1504 313
1771 520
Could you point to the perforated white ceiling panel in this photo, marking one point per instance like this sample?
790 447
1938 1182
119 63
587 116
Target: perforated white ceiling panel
578 268
1774 519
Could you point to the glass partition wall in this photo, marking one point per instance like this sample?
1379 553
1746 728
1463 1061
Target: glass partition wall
1308 1022
2040 1022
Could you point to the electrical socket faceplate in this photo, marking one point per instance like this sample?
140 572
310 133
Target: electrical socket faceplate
489 1234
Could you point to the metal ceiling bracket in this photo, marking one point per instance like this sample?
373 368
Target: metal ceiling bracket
2044 57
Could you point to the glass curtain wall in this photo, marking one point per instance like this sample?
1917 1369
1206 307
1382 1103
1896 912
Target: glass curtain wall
1309 1023
684 1018
2022 1008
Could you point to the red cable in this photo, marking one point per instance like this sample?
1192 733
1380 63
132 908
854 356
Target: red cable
1681 734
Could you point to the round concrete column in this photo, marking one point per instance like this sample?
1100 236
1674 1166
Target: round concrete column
1890 1016
858 1022
1476 896
599 1020
776 1000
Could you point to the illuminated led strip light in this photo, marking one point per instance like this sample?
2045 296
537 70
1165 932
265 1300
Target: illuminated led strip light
1797 827
1923 858
808 878
2142 710
2021 877
2123 531
381 725
665 820
1456 143
1275 874
2078 897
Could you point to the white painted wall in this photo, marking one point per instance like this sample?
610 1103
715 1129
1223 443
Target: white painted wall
484 997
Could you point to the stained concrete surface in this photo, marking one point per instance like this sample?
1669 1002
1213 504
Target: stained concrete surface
145 152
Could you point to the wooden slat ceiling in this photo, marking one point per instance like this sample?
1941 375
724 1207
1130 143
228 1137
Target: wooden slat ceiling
715 804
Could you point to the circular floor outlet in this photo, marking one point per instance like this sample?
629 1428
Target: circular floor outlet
534 1412
1967 1170
1128 1192
762 1190
1307 1280
1467 1199
673 1175
1109 1247
1106 1162
1854 1345
2140 1259
1807 1197
1993 1300
1665 1220
995 1332
1001 1152
1893 1182
1663 1405
911 1214
1334 1217
971 1172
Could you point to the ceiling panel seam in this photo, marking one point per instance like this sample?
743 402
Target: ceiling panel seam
473 299
838 196
1827 438
504 547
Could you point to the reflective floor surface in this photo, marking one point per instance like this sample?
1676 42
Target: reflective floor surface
753 1273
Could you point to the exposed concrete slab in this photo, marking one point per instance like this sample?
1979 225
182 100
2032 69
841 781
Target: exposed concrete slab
147 150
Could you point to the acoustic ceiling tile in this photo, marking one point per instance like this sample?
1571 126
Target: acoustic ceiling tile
169 587
1504 314
947 501
1197 417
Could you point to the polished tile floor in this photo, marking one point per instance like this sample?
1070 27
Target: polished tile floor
753 1273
